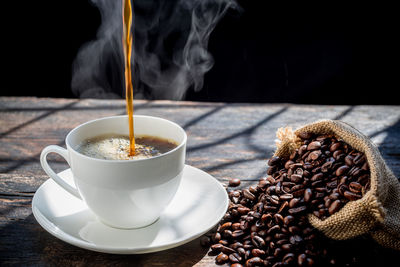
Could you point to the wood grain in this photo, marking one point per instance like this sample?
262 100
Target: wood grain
226 140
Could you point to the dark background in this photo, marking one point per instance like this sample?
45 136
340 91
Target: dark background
274 51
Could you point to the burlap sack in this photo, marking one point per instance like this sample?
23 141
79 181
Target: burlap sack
378 212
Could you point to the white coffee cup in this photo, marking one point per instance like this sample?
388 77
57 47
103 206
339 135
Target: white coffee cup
123 193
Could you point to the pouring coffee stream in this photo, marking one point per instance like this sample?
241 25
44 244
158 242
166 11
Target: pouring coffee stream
127 48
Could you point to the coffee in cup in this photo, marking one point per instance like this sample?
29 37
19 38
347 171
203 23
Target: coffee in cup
116 147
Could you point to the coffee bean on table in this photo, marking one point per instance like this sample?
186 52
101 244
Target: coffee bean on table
234 182
222 258
235 257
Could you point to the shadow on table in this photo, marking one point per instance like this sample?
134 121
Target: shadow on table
24 242
390 146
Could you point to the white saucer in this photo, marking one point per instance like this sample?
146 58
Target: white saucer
199 204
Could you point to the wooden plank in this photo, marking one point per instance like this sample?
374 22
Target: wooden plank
226 140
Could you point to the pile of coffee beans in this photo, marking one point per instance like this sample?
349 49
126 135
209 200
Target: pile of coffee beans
325 172
266 224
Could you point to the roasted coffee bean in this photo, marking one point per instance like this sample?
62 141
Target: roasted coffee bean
224 242
342 188
302 150
235 258
317 177
297 187
295 178
270 208
222 258
307 195
258 241
237 233
351 196
359 159
342 170
337 153
314 155
255 261
263 183
305 135
288 220
253 189
335 206
335 146
287 247
332 184
278 218
294 154
273 161
274 200
227 233
298 193
243 210
241 251
355 171
216 247
235 226
227 250
226 225
365 166
216 237
280 242
271 170
234 182
355 187
297 210
301 259
294 229
273 229
295 239
349 160
328 203
247 255
257 252
321 189
247 194
314 145
271 180
283 206
236 245
288 164
326 167
286 196
294 202
288 258
277 252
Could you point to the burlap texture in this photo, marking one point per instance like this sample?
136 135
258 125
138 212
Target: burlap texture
377 213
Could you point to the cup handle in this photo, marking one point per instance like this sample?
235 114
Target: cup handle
43 161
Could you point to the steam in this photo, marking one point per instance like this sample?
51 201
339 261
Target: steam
170 49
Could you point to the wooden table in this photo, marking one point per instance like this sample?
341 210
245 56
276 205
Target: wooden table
226 140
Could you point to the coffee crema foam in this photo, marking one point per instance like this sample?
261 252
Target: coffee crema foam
116 147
